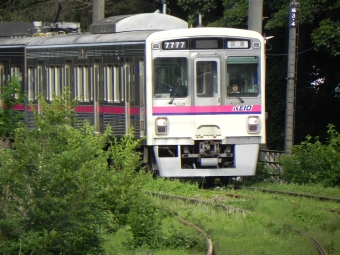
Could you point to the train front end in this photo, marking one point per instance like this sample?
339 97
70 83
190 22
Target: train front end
199 123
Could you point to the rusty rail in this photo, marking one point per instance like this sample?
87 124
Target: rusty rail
210 249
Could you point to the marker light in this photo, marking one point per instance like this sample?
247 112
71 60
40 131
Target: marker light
162 125
253 124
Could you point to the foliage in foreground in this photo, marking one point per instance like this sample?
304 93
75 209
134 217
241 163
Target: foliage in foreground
314 162
58 194
10 96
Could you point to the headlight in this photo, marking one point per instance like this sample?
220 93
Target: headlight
253 124
162 125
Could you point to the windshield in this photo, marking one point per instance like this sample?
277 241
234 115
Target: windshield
242 77
170 78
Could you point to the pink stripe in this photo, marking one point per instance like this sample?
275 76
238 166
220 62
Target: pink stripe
118 110
90 109
205 109
18 107
84 108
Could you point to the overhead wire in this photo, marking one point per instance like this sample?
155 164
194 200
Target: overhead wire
274 55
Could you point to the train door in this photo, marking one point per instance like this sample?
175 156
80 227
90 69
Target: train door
207 81
207 95
98 95
128 81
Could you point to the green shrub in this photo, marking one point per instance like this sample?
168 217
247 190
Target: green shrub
49 203
10 96
58 194
314 162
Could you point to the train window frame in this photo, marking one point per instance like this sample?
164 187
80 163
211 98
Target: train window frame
213 73
67 75
116 83
168 83
16 70
98 71
129 79
109 83
32 83
243 70
82 83
4 75
54 84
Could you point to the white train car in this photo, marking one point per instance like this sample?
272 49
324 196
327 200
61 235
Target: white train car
170 83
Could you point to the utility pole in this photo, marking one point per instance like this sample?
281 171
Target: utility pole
291 76
255 15
98 11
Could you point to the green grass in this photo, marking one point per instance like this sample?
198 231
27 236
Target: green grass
244 234
177 238
314 189
270 226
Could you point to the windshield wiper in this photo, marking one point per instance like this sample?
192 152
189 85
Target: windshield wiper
236 95
178 83
240 99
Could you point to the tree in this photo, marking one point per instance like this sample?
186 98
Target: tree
194 7
73 11
317 71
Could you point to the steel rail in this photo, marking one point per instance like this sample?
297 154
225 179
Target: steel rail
321 250
198 201
289 193
210 250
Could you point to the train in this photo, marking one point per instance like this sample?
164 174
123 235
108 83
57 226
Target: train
172 84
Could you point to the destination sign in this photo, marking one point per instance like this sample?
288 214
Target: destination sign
238 44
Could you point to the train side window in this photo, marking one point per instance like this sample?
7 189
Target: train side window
108 81
243 71
54 82
17 71
67 75
129 80
98 93
41 79
87 83
116 84
82 83
31 83
4 76
122 84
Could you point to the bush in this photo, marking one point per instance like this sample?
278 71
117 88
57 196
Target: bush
314 162
58 193
49 203
10 96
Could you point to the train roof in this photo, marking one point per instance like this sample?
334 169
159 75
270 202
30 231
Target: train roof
120 33
116 29
134 22
69 40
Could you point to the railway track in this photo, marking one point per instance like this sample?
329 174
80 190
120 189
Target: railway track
321 250
210 247
319 247
289 193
